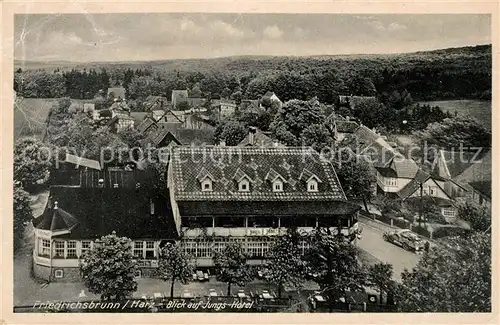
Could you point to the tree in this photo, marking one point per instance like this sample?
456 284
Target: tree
31 162
182 106
131 137
332 262
294 117
175 265
22 214
231 267
454 277
380 277
108 269
237 96
230 131
456 131
195 91
478 217
285 266
356 178
317 136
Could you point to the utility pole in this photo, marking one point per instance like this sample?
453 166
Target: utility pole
421 205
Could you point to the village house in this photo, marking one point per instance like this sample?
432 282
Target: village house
393 171
179 96
341 127
467 173
272 98
250 195
257 138
431 188
224 108
171 135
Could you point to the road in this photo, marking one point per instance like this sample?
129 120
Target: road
372 243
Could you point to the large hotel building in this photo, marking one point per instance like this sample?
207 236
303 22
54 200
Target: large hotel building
214 195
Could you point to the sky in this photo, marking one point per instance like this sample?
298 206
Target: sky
162 36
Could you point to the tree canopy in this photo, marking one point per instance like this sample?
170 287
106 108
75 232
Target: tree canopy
231 266
22 214
32 162
175 265
453 278
108 269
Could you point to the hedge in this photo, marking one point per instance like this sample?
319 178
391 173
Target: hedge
401 223
449 231
421 231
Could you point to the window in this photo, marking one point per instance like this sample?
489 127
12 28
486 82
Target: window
150 249
59 274
85 246
391 182
137 273
138 245
312 186
151 207
71 249
44 247
278 186
59 249
432 190
244 185
206 185
448 212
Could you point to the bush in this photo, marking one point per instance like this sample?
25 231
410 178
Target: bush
421 231
449 232
402 223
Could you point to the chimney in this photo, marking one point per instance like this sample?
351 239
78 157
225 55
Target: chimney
55 205
251 135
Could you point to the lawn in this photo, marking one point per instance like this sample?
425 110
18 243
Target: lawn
478 109
30 115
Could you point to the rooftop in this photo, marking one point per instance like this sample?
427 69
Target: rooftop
92 213
223 163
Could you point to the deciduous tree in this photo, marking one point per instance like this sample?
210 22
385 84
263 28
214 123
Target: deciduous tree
22 214
332 262
285 265
455 277
175 265
231 266
109 268
32 162
380 277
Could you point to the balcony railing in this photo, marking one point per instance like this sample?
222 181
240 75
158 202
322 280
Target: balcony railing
252 231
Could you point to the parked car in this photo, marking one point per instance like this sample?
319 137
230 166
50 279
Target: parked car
405 238
201 276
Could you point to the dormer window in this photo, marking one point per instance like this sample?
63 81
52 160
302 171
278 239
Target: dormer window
277 186
244 185
206 185
242 180
312 185
310 179
205 179
276 180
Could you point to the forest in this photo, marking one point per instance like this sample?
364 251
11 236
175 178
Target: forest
456 73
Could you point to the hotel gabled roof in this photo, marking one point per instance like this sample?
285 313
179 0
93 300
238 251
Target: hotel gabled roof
223 163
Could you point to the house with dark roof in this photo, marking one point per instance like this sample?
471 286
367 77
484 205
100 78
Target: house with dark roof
75 217
147 125
173 135
257 138
179 96
431 188
251 195
224 107
120 122
341 127
392 169
271 96
461 167
117 93
481 192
